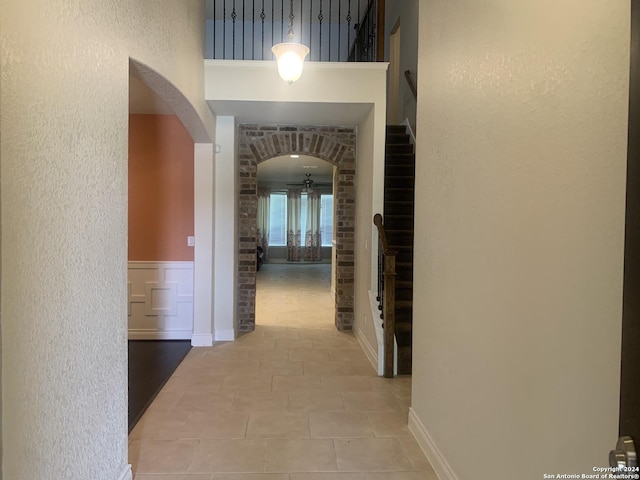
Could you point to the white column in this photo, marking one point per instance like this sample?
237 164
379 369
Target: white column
225 230
203 256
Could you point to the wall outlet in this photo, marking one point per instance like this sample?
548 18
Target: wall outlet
191 241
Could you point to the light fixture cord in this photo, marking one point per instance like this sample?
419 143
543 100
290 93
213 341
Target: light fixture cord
291 17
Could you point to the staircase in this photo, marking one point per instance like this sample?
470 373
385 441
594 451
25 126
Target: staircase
399 180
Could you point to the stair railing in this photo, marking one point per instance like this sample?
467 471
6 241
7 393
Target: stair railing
369 38
412 84
386 294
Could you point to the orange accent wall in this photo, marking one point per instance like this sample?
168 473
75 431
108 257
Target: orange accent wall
160 189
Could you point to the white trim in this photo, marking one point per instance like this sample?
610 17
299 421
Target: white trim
126 474
434 455
159 335
203 274
271 64
201 340
368 350
225 335
162 292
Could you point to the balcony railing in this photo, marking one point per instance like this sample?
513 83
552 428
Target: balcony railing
334 30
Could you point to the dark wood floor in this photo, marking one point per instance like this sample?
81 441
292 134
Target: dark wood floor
151 363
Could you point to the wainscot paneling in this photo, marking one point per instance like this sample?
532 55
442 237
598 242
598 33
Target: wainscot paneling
160 304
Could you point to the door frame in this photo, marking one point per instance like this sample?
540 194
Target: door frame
629 423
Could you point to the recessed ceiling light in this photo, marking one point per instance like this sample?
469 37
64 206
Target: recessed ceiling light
294 156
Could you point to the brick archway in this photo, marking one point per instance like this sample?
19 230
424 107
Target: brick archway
336 145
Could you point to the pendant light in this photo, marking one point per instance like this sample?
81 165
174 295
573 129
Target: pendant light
290 55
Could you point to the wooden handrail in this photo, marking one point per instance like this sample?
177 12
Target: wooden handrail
387 297
412 84
377 221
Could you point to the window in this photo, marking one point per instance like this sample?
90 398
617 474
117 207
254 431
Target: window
278 219
326 219
303 218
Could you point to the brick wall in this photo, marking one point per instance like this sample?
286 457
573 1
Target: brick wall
336 145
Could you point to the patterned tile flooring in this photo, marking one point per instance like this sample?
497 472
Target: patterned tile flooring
293 400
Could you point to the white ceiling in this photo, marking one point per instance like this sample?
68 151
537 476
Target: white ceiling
280 170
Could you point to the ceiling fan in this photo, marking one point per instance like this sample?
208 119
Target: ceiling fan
308 184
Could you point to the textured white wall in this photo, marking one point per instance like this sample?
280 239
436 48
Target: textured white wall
366 247
406 12
522 123
226 231
64 114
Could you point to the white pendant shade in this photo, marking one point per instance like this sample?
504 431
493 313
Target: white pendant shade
290 57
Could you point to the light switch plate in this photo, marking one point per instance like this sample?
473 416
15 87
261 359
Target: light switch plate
191 241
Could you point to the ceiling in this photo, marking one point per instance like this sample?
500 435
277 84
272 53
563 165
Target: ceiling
280 170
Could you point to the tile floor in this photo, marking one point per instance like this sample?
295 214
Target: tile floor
293 400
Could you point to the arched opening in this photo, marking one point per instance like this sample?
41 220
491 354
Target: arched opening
336 145
164 130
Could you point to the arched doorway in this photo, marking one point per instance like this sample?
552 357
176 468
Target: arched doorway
336 145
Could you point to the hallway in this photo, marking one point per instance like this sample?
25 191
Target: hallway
294 398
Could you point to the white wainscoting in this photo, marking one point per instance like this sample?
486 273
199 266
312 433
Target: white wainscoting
160 303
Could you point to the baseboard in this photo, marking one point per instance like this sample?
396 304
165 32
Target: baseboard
438 462
159 335
368 350
225 335
126 474
202 340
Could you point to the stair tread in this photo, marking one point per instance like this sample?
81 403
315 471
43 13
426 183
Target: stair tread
399 188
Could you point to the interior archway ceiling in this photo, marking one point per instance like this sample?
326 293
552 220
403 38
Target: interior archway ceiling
279 171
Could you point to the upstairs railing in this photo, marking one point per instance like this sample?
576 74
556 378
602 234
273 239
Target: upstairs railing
386 294
334 30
